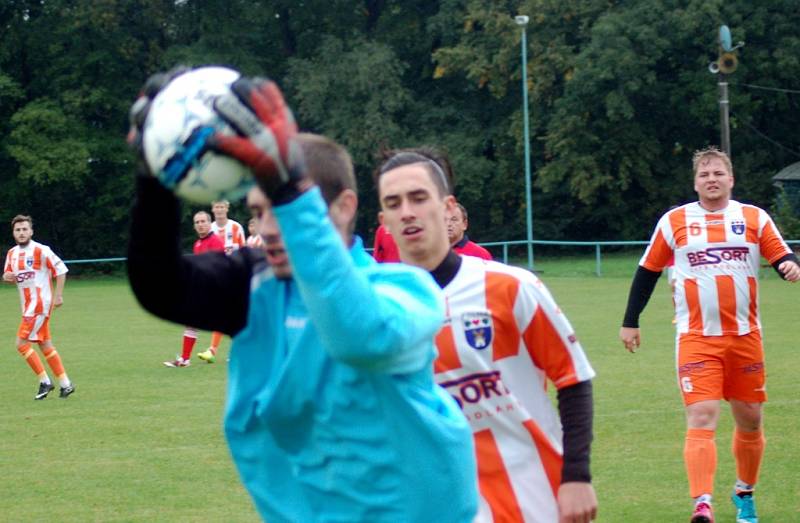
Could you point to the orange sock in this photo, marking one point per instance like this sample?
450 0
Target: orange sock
54 360
216 337
700 456
748 449
34 362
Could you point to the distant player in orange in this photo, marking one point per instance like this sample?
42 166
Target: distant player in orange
457 223
253 238
206 242
504 337
32 266
717 245
231 233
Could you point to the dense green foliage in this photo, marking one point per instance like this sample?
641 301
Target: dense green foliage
620 96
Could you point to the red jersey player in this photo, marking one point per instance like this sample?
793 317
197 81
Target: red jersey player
457 223
32 266
717 244
385 250
232 235
206 241
503 338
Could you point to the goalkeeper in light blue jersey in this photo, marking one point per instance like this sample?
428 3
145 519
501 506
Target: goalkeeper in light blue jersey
332 411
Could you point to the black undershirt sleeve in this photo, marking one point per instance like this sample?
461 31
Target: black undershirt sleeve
644 281
209 291
576 410
789 257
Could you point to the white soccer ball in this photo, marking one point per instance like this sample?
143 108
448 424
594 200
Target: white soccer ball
185 107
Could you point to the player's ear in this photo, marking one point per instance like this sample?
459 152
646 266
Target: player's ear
450 203
380 219
343 208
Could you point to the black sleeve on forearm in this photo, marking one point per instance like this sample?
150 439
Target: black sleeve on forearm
575 409
789 257
210 291
644 281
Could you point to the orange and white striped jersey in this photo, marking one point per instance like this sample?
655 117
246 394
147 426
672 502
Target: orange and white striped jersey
255 241
232 234
717 255
503 338
34 268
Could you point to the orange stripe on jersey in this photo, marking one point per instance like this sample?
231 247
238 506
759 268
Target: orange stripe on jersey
752 315
39 306
771 246
448 355
551 459
751 223
9 268
26 293
501 294
493 481
659 254
677 221
50 266
693 303
726 294
548 352
21 261
715 228
37 258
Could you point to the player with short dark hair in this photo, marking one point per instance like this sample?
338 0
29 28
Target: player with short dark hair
206 241
502 338
332 412
33 266
457 223
717 244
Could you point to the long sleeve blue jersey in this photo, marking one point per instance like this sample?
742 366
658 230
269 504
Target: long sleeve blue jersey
332 413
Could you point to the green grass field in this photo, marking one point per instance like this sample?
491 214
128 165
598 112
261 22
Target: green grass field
140 442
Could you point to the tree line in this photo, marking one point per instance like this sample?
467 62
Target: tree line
620 96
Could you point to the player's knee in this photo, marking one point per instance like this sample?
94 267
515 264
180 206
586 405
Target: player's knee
702 416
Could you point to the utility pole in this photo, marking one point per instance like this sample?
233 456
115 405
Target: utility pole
724 115
522 21
723 66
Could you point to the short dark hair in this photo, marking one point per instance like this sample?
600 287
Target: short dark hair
435 161
21 218
328 164
463 211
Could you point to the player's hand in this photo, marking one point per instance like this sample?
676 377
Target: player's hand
58 301
9 277
577 502
630 338
790 271
141 108
266 127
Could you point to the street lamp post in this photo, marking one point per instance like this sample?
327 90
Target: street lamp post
522 21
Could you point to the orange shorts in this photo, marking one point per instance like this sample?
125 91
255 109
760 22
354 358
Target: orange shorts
717 367
34 328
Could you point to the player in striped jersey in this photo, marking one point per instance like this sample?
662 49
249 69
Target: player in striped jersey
503 338
717 245
253 238
230 231
32 266
232 235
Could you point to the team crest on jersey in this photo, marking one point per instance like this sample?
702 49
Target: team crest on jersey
737 226
477 329
29 262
